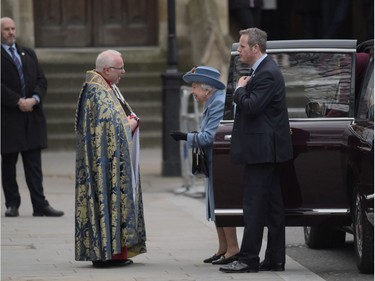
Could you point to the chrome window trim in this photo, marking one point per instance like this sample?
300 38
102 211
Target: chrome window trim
300 50
327 45
239 212
328 119
312 50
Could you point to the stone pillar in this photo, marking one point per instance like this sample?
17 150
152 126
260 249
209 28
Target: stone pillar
21 11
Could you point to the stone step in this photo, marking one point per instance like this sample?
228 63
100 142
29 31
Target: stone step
66 125
75 80
67 141
66 110
131 94
141 85
81 67
72 60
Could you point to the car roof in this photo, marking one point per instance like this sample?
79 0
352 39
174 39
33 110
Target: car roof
329 45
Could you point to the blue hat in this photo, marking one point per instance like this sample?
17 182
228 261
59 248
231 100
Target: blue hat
205 75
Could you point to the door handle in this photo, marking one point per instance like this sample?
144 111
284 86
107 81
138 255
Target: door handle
364 148
227 137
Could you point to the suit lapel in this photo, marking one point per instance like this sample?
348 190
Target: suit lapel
259 68
6 56
262 64
21 53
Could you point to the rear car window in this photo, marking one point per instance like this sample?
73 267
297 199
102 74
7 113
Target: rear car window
366 104
318 84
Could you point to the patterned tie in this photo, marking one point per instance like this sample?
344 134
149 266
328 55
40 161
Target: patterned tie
19 68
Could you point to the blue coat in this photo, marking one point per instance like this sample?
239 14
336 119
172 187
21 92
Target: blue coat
212 115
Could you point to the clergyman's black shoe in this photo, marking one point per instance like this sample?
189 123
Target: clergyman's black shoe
120 262
100 264
48 212
238 267
11 212
111 263
271 266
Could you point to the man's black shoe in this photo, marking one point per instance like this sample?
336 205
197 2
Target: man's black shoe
271 266
11 212
48 212
238 267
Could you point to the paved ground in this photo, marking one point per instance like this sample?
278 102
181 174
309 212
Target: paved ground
178 236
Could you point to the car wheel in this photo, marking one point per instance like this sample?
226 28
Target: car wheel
323 237
363 236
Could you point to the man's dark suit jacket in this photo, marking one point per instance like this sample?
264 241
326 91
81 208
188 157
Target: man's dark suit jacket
21 131
261 132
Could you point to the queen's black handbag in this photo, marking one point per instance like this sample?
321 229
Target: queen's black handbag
199 160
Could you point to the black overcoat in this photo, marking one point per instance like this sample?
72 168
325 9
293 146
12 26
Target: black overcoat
21 131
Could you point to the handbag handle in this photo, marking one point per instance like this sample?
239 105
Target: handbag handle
196 140
198 147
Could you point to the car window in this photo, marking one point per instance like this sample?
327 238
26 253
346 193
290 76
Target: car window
366 103
317 84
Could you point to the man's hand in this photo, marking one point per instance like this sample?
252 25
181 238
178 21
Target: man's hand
242 82
26 105
178 136
133 124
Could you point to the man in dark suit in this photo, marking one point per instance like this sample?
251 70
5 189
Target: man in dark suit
23 124
260 141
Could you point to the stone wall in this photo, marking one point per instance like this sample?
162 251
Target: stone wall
209 34
203 34
201 29
22 12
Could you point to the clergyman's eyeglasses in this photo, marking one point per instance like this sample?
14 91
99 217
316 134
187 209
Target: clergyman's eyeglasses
117 68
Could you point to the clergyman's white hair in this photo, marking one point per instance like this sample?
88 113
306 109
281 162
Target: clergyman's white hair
106 59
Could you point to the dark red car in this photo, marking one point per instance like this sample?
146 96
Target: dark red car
328 187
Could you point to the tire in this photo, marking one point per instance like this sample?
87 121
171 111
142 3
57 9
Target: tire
323 237
363 232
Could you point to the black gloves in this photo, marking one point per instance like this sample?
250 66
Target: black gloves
178 135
